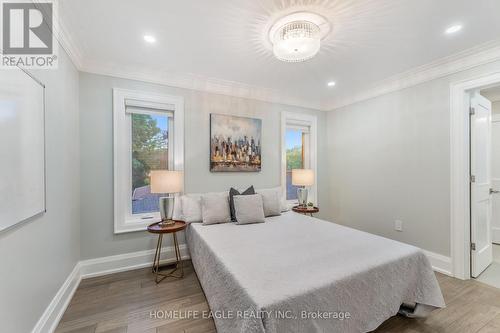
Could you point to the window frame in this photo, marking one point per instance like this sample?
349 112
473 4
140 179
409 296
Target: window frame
124 220
290 119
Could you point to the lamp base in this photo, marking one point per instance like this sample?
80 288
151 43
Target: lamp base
302 196
166 209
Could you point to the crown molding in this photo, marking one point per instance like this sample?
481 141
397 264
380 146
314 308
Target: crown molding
461 61
467 59
62 35
202 83
68 44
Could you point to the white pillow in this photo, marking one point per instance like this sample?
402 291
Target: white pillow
191 208
279 190
248 209
215 208
271 201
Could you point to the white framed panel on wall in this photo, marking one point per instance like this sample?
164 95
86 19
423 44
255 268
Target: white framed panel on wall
22 147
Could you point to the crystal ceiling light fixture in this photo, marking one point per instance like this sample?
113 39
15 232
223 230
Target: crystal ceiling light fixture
297 37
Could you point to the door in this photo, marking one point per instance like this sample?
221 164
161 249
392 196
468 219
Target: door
495 177
480 166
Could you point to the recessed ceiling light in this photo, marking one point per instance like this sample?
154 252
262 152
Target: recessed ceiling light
149 39
453 29
331 83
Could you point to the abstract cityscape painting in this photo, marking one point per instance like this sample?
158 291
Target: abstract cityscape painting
235 144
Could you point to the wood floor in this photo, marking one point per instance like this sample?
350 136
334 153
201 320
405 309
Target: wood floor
123 302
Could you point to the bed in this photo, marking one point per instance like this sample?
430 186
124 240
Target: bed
301 274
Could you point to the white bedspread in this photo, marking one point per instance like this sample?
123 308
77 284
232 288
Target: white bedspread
267 277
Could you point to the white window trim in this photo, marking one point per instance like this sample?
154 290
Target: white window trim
121 153
312 123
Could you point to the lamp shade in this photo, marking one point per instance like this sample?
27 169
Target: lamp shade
302 177
166 181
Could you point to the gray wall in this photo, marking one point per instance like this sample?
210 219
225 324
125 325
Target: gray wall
389 158
96 139
37 256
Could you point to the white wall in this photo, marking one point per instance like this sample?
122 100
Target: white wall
37 256
496 107
389 158
96 135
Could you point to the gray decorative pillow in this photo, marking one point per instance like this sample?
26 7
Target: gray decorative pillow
271 201
215 208
232 193
249 209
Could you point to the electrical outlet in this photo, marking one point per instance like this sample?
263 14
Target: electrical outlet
398 225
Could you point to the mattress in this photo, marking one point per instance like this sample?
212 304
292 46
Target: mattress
301 274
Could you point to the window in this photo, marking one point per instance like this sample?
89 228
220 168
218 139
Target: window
148 135
298 151
150 141
296 139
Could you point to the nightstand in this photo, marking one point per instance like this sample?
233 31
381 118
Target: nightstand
160 229
305 210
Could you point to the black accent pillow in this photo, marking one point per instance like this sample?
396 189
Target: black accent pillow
232 193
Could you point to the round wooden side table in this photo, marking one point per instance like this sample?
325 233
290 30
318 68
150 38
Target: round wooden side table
161 229
305 210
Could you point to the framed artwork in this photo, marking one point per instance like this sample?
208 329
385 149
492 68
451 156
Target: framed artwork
235 143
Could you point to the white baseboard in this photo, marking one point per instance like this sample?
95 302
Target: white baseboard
53 313
128 261
440 263
97 267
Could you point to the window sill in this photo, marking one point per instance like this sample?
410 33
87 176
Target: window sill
134 225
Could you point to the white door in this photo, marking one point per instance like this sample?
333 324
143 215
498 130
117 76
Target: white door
495 177
480 165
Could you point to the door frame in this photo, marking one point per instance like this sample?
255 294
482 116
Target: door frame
495 118
460 171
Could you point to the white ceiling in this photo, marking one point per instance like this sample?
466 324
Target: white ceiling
220 42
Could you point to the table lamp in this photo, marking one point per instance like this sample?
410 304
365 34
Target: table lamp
170 182
302 178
